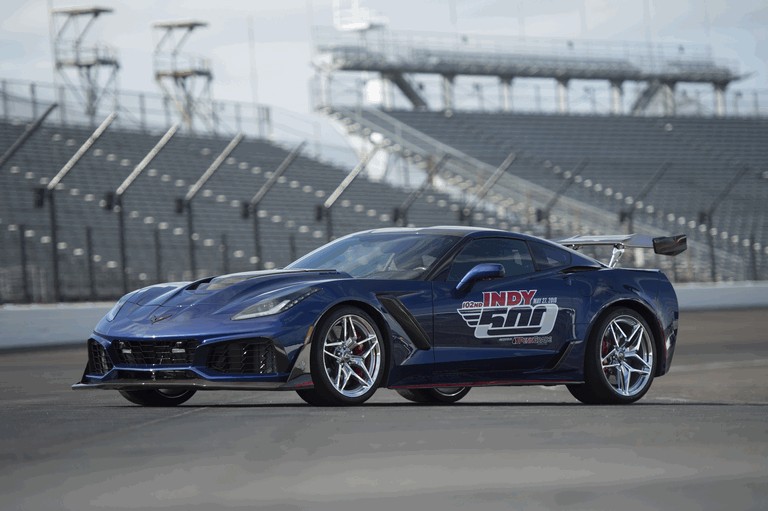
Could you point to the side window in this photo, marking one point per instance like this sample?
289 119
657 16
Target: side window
547 256
512 254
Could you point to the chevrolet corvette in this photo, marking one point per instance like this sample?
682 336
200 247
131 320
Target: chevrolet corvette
428 312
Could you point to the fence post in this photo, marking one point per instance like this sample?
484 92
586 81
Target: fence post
33 99
62 105
4 93
224 254
142 113
89 254
158 256
167 111
752 256
23 254
292 246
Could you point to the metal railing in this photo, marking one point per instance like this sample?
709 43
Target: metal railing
407 46
150 112
537 96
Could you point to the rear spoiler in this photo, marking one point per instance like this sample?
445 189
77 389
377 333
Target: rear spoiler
664 245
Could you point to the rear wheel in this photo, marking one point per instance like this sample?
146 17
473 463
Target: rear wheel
157 397
620 360
348 359
437 395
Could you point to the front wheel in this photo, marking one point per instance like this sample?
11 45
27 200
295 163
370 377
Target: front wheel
348 359
157 397
620 360
437 395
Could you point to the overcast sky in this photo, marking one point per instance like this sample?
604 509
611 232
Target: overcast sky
736 29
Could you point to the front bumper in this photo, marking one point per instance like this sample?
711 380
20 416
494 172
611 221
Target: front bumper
221 364
302 382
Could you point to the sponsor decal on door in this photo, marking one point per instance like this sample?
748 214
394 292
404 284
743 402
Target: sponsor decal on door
517 315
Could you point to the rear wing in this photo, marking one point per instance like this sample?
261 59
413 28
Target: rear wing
664 245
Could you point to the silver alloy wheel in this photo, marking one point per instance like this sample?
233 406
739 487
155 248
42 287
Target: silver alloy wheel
626 355
352 355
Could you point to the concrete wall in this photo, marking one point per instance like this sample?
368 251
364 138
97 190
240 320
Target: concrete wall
50 325
726 295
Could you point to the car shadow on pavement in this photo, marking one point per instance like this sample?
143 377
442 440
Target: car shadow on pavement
489 404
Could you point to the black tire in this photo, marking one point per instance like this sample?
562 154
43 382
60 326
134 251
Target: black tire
434 396
341 375
613 372
157 397
310 396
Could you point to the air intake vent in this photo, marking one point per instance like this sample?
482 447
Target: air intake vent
155 352
243 357
98 361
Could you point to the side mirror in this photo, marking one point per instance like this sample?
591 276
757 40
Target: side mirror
482 271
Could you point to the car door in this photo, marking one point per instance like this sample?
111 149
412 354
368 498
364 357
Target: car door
502 328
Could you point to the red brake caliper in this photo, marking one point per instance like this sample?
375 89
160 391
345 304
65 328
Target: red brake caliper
605 348
357 350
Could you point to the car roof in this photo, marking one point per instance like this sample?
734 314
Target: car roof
449 230
452 230
478 232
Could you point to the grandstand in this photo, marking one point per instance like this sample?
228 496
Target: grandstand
157 236
681 166
628 168
646 164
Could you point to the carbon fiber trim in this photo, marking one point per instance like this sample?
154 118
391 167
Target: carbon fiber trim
405 319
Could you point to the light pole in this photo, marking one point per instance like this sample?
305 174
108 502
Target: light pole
323 211
114 201
629 214
465 213
49 193
186 202
544 213
706 217
252 208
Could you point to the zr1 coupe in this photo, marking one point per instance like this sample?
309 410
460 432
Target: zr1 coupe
428 312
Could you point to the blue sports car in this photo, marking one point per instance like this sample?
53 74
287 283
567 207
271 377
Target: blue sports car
429 312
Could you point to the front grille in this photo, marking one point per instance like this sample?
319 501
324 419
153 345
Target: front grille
243 357
155 352
98 361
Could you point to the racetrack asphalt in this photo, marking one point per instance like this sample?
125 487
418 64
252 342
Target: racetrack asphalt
698 440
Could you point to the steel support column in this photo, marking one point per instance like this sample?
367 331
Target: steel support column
448 94
668 95
562 95
720 99
617 98
23 263
506 93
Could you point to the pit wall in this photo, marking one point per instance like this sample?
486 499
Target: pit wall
36 326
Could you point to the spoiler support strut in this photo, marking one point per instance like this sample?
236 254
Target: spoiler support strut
664 245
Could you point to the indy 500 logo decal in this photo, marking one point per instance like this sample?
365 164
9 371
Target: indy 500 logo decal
510 314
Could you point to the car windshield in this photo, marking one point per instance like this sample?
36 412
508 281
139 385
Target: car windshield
399 256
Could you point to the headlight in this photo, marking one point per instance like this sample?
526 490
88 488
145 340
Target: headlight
274 304
119 305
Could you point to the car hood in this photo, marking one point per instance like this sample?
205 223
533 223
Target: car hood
229 289
190 308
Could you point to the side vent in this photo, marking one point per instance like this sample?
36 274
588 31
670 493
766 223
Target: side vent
255 356
98 360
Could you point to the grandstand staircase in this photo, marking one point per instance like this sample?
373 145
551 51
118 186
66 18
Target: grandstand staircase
407 88
645 98
518 197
